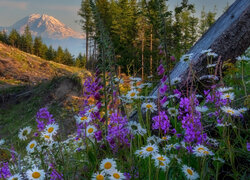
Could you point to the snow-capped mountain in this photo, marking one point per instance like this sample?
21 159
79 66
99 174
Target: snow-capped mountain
52 31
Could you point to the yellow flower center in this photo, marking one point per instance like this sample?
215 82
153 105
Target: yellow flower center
99 177
107 165
230 111
205 152
140 152
32 145
149 149
162 164
84 118
90 130
132 94
47 137
190 172
50 130
148 106
164 138
227 96
25 132
161 158
200 149
36 175
116 175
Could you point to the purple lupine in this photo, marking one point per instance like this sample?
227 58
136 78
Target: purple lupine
161 122
55 175
118 133
191 120
4 170
43 115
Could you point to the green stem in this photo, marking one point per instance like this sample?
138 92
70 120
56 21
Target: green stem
242 78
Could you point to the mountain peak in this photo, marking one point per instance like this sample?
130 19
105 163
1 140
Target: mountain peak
46 26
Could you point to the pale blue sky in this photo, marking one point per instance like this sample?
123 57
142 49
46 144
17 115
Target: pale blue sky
66 10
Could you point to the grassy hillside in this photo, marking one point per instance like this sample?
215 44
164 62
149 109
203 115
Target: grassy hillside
20 68
28 83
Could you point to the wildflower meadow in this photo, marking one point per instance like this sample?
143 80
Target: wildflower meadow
179 134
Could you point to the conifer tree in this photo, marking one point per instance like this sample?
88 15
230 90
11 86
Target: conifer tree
28 41
87 22
14 38
38 46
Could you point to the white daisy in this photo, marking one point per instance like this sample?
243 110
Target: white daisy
224 89
108 165
230 111
136 129
173 112
24 132
83 119
51 129
149 106
91 110
186 57
15 177
98 176
47 137
140 153
242 110
161 161
35 174
171 146
201 151
201 108
31 146
228 96
165 138
132 94
212 54
115 174
90 130
243 58
150 150
189 172
153 140
206 51
175 81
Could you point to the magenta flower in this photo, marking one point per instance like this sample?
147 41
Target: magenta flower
163 89
248 146
160 70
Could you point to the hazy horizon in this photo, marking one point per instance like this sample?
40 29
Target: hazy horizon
66 11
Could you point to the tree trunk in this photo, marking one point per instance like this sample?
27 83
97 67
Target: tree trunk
87 45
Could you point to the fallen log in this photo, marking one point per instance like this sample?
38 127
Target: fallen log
228 37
